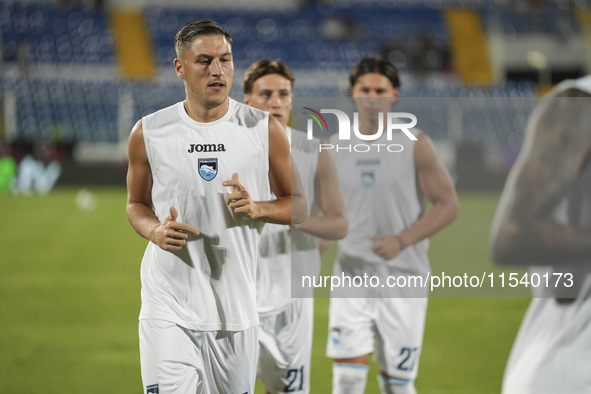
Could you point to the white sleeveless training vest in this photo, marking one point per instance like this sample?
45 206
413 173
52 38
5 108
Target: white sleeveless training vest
285 253
381 194
210 283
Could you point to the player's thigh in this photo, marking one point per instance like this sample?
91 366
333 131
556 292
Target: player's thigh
351 327
178 360
285 346
400 328
230 361
170 361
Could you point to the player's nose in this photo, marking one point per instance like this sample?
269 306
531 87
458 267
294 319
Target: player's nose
216 68
275 101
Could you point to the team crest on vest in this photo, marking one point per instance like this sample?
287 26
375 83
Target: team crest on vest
367 178
208 168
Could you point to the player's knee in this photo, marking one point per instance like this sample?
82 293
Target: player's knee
349 378
395 386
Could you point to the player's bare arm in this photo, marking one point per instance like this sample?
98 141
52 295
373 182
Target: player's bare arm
169 234
290 207
436 185
554 152
333 223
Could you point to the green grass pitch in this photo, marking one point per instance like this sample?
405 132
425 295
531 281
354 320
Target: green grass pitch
69 300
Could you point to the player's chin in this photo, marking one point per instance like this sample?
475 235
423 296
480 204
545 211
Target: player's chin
216 100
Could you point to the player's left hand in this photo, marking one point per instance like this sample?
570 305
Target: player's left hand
239 200
386 246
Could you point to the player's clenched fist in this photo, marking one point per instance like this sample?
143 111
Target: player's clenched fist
239 200
171 235
387 246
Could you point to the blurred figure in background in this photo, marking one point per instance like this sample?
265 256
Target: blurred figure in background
198 184
286 326
386 193
544 221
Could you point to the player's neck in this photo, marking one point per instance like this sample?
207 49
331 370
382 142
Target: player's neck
202 114
369 125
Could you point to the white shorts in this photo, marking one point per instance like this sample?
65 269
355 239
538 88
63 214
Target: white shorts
394 327
181 361
285 348
552 350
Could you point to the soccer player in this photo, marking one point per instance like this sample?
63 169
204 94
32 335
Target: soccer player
386 192
544 221
285 330
198 183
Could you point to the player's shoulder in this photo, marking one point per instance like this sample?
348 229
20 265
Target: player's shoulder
421 135
299 135
300 141
137 131
161 117
566 87
424 152
247 115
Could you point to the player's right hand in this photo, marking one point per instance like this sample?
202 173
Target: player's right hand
386 246
171 235
239 200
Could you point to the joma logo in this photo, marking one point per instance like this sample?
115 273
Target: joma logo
206 148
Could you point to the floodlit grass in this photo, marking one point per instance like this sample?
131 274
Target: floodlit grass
69 301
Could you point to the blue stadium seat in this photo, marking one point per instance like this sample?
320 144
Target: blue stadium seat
78 35
278 34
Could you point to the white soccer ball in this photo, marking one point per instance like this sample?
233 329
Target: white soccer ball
86 200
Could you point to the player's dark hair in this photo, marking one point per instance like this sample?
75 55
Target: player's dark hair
375 64
194 29
264 67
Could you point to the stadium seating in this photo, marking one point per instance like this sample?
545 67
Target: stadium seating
522 17
304 38
47 34
319 42
58 110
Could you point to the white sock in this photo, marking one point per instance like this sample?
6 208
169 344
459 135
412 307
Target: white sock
395 386
349 378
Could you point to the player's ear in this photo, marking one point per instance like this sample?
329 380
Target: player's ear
247 99
395 95
178 67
